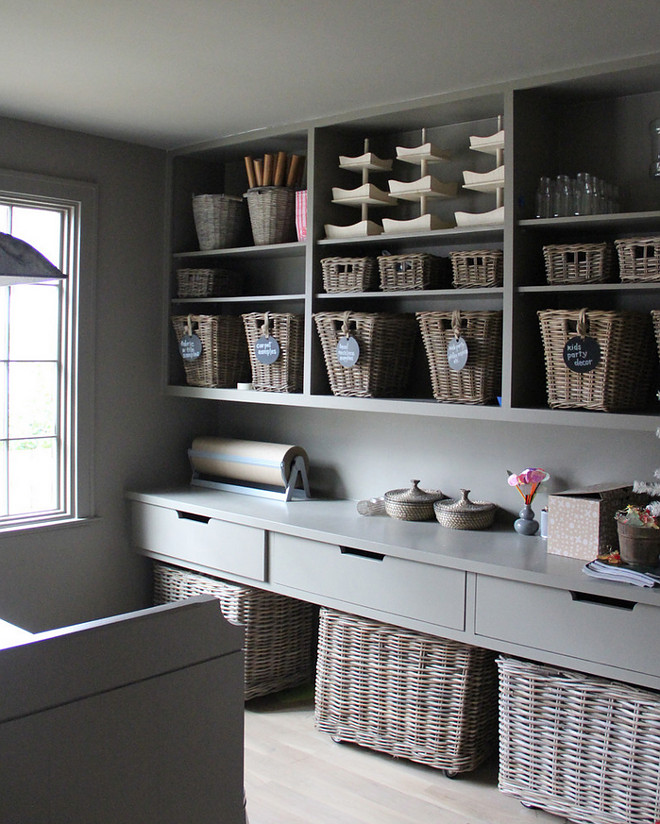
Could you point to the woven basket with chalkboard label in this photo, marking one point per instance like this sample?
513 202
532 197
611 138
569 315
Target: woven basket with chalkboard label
223 361
284 374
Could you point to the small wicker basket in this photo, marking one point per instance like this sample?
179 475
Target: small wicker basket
206 283
578 263
348 274
219 220
639 258
621 381
464 513
279 637
411 271
412 504
480 268
272 214
224 359
405 693
479 381
285 374
386 345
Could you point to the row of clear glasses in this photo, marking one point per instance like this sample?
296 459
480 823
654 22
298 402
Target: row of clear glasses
584 194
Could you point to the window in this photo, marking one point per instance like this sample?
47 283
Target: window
45 409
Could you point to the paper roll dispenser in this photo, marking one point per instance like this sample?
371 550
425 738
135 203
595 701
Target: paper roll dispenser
267 470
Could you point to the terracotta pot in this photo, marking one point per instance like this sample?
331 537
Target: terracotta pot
638 545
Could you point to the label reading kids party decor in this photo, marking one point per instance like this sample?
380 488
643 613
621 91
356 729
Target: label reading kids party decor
266 349
457 353
582 354
348 351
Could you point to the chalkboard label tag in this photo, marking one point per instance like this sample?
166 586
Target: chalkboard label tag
266 349
457 354
348 351
190 347
582 354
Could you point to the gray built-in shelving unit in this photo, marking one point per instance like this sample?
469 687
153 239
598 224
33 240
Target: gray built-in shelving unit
596 120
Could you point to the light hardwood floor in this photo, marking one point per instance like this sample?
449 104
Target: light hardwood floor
297 775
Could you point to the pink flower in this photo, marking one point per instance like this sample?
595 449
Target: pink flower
527 482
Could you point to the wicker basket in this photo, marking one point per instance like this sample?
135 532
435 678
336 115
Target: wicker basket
621 381
579 746
346 274
639 258
386 348
578 263
206 283
405 693
479 380
413 271
224 359
272 214
483 267
279 632
219 220
285 374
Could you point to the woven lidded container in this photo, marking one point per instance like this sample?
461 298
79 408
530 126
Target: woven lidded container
463 513
478 382
405 693
578 746
578 263
386 343
224 358
206 283
348 274
479 268
621 380
412 504
279 632
411 271
272 214
639 258
285 374
219 220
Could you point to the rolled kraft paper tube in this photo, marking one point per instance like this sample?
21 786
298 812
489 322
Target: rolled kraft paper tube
256 462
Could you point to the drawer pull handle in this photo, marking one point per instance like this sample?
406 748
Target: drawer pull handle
603 600
193 516
361 553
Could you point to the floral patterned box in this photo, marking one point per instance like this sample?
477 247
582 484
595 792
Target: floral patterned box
581 521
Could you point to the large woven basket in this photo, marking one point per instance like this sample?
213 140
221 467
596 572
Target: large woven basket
206 283
405 693
386 348
348 274
480 379
285 375
279 632
475 269
272 214
224 359
219 220
639 258
579 746
578 263
412 271
621 381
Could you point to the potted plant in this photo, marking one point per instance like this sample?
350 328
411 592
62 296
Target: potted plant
638 528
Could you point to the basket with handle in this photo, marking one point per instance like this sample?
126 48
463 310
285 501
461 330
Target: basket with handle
206 283
223 361
285 373
478 268
639 258
411 271
348 274
578 263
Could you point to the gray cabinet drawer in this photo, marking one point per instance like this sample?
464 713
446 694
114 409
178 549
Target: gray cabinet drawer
209 542
588 628
432 594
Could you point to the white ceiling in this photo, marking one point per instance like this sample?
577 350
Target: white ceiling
168 73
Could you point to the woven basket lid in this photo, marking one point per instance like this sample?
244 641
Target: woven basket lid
464 504
413 495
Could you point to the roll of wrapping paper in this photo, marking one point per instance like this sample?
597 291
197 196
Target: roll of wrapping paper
255 462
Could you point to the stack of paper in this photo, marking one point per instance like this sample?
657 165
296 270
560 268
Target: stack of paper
624 574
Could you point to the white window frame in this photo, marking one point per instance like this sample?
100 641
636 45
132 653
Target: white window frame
80 198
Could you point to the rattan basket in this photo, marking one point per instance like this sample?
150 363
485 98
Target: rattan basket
621 381
206 283
349 274
279 632
483 267
578 263
579 746
405 693
386 345
480 379
219 220
285 374
639 258
224 359
411 271
272 214
655 318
